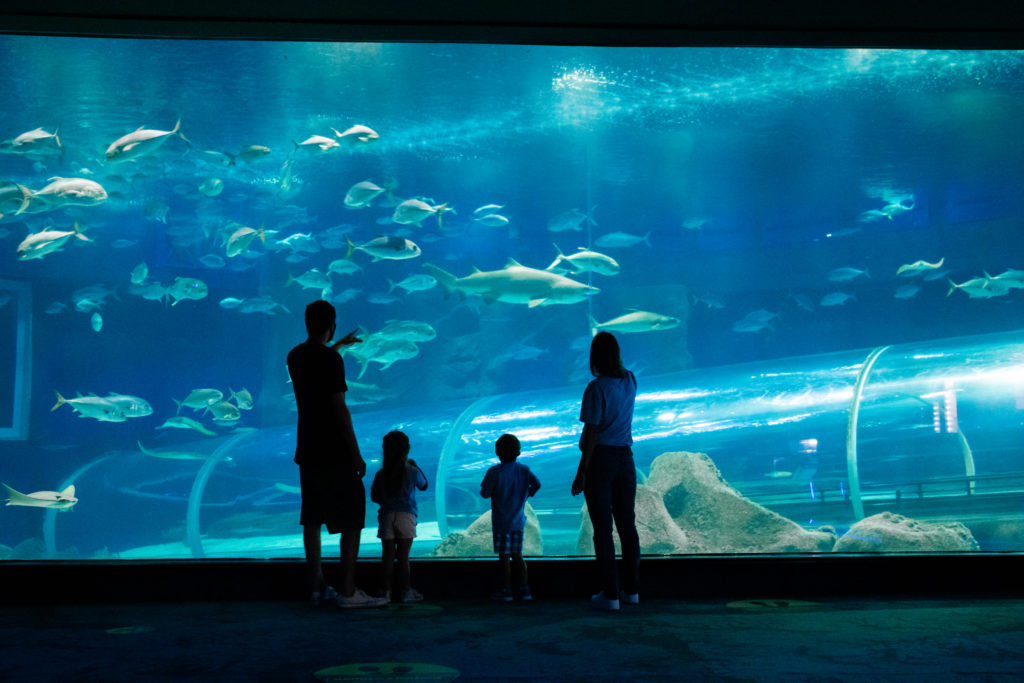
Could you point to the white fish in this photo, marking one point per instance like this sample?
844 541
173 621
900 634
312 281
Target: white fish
139 273
62 192
242 398
218 158
695 223
919 267
383 298
56 307
492 220
316 144
846 274
802 301
413 211
357 132
570 220
836 299
92 406
487 209
211 187
1010 279
151 291
39 244
251 153
42 499
361 194
515 283
906 291
299 243
346 295
311 279
200 398
96 322
410 330
223 411
980 288
229 302
142 141
384 351
212 261
187 288
384 247
761 316
584 261
241 239
181 422
621 239
344 266
34 143
14 198
260 304
131 406
749 326
414 283
172 455
635 321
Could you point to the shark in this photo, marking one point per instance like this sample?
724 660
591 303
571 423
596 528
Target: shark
62 500
515 284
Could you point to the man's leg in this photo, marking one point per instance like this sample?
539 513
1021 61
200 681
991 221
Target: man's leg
311 544
349 555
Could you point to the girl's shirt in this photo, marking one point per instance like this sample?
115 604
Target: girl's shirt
405 501
608 405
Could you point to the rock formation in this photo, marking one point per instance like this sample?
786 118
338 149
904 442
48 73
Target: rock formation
888 532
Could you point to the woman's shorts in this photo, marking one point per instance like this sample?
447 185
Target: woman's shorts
509 544
392 525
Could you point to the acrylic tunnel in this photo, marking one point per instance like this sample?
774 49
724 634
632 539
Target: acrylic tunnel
930 432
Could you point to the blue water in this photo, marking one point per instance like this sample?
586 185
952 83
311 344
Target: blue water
752 173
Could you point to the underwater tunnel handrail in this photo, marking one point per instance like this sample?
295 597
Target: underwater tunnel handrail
852 471
447 451
50 519
195 496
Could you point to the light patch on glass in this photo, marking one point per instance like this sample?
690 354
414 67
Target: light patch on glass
808 445
671 395
666 416
515 415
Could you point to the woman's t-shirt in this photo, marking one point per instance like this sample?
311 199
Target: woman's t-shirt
608 405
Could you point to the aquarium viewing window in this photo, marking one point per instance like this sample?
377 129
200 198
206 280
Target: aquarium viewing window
812 259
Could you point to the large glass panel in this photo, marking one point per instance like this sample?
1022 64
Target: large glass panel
790 244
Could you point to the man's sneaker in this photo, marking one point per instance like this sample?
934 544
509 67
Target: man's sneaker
629 598
412 595
359 599
523 593
598 601
504 595
325 597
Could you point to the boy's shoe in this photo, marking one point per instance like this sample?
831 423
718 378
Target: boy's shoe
504 595
325 597
412 595
523 593
629 598
598 601
359 599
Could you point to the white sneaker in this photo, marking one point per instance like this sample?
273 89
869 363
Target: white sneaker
598 601
359 599
629 598
412 595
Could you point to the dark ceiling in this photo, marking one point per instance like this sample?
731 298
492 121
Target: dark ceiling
867 23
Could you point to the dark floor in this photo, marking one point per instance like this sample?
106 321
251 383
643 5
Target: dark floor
558 640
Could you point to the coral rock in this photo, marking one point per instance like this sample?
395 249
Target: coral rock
659 535
478 541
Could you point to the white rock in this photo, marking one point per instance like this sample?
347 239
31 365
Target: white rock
659 535
717 518
888 532
478 540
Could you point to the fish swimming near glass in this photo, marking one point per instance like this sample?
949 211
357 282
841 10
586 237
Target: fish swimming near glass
62 500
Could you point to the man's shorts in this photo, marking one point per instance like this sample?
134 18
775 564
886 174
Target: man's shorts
509 544
333 497
392 525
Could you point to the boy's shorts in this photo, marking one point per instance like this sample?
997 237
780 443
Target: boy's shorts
392 525
509 544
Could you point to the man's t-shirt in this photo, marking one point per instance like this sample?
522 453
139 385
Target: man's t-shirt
317 373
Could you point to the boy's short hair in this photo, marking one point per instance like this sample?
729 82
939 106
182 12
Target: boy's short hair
320 315
507 447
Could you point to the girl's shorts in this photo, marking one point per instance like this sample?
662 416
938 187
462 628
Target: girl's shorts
392 525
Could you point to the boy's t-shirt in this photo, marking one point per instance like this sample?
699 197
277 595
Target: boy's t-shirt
405 501
508 485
